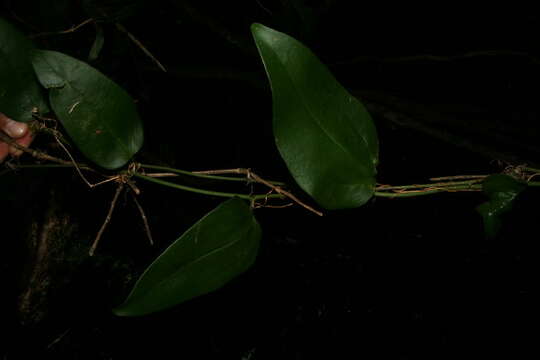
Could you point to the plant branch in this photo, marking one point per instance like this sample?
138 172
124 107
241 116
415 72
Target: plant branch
427 190
107 219
34 153
458 177
74 163
251 175
406 194
201 174
140 46
206 192
143 216
432 185
68 31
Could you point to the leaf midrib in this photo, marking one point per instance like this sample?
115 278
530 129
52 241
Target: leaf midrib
80 93
199 259
306 105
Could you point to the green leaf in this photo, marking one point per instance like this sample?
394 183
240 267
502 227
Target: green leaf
20 92
98 44
99 116
501 190
324 134
222 245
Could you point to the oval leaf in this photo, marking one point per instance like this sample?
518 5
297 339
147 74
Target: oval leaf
324 134
99 116
20 93
501 190
222 245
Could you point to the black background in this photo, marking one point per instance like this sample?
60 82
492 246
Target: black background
399 279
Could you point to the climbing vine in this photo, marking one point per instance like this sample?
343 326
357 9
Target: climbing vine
325 136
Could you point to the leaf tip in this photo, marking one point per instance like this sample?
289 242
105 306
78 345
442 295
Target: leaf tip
123 310
119 311
255 27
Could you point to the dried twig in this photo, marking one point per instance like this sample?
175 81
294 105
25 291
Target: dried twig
144 218
74 163
252 176
107 219
68 31
458 177
140 45
34 153
157 175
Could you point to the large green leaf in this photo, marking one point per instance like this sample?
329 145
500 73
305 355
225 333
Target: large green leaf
501 190
20 92
98 115
325 135
222 245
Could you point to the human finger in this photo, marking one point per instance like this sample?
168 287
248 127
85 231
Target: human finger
13 128
24 141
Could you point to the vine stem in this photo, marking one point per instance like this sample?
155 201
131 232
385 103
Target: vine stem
431 185
469 183
68 31
34 153
199 174
458 177
530 169
427 191
208 192
252 176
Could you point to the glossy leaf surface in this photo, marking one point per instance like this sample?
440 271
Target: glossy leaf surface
20 92
222 245
99 116
501 191
324 134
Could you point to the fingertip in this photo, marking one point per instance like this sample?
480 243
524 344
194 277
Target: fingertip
14 129
23 141
26 140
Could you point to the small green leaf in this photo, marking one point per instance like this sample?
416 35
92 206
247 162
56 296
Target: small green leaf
325 135
20 92
222 245
501 191
98 43
99 116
